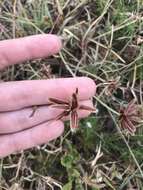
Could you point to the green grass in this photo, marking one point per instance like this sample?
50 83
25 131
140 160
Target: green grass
100 42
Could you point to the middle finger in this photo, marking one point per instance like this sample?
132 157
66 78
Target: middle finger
20 94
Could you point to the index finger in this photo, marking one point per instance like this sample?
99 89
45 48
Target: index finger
31 47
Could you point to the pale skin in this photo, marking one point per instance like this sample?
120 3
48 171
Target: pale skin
19 131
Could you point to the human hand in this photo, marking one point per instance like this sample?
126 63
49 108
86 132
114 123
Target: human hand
19 131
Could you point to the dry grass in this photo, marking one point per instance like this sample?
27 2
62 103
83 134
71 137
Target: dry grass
102 40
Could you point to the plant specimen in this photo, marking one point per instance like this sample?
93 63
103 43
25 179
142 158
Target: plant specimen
130 116
70 108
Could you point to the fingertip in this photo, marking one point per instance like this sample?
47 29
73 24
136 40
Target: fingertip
27 48
57 129
90 82
87 87
55 41
83 113
60 42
